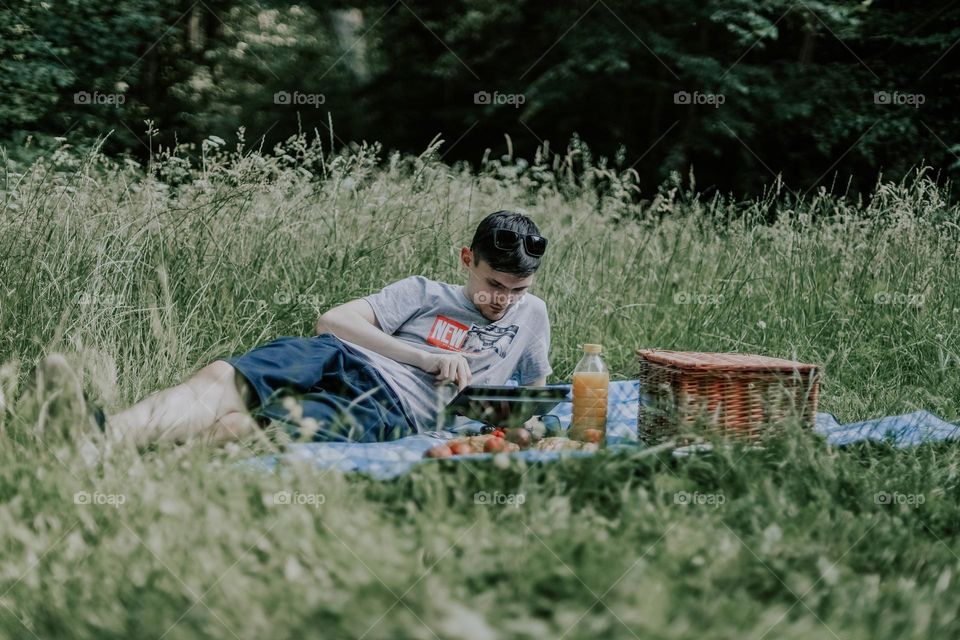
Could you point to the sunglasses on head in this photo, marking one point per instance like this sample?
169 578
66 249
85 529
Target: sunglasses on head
508 240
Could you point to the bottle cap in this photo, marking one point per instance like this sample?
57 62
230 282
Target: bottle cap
592 348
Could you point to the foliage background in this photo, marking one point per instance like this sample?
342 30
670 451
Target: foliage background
798 80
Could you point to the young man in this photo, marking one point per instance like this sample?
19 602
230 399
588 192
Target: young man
380 366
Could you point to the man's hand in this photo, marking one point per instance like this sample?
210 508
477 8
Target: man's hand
450 367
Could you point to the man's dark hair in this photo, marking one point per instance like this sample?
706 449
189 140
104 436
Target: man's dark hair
515 261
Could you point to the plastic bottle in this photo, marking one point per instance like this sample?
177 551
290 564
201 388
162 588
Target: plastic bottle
591 381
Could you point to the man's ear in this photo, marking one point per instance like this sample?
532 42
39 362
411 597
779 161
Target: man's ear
466 257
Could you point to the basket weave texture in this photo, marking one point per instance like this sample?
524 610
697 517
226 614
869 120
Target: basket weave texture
736 395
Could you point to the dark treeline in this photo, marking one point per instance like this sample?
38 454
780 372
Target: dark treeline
739 90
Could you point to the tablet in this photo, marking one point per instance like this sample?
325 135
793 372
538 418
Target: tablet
503 405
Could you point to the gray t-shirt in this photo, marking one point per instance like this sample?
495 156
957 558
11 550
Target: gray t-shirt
438 317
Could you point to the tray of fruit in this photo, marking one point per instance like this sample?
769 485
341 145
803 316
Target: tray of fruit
533 435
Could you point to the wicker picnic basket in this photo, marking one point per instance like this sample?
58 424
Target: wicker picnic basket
736 395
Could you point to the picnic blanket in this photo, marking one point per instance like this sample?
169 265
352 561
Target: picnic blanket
385 460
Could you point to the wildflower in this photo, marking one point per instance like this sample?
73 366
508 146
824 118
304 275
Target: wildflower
294 408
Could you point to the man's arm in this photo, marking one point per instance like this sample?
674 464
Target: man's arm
355 322
539 382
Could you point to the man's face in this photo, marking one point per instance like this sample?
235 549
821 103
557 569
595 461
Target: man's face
492 292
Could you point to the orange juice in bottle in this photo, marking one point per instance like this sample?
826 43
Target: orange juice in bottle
591 380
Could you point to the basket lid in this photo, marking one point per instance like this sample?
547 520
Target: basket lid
701 360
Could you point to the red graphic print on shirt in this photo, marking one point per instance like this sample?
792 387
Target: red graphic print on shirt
454 336
447 334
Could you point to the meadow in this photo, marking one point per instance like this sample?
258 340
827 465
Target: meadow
143 273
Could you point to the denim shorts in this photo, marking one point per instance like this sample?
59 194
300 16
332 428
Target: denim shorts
319 377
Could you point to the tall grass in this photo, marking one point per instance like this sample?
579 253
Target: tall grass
145 273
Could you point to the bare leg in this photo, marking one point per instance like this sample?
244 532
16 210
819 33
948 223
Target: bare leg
212 405
233 426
